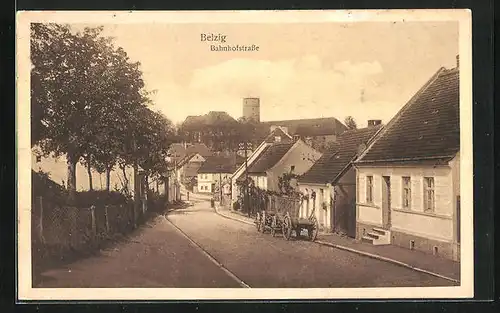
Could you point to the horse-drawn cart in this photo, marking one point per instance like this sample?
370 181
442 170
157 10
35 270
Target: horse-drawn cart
284 216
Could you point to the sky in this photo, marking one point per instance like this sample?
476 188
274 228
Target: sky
367 70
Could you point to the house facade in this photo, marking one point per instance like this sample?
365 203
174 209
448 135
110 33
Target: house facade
329 186
408 179
276 135
316 132
279 158
57 168
217 170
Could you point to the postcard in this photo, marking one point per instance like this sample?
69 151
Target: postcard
214 155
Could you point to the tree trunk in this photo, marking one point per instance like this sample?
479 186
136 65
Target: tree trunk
108 178
71 183
125 178
89 172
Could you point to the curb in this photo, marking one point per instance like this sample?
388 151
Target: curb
385 259
370 255
232 218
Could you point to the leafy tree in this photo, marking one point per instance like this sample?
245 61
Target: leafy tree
85 93
350 123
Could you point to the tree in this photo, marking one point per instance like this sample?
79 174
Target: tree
350 123
83 90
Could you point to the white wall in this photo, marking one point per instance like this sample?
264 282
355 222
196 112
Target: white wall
414 220
205 180
58 170
323 216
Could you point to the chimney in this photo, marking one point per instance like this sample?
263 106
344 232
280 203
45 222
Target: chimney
458 60
372 123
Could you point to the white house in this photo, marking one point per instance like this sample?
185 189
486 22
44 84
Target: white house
216 169
276 135
330 184
57 168
408 179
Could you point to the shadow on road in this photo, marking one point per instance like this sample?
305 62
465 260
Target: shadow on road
108 243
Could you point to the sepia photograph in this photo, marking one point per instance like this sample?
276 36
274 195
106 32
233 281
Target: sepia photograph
244 155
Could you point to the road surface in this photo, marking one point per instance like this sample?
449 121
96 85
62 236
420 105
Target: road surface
187 247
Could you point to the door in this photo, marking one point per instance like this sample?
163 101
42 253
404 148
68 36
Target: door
386 202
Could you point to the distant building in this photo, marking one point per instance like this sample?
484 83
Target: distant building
219 131
57 168
409 177
187 168
215 170
271 160
316 132
251 109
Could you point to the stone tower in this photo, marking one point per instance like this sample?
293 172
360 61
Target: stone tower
251 109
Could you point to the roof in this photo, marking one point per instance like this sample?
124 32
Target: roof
285 137
199 148
310 127
177 151
221 164
333 162
269 157
194 122
426 128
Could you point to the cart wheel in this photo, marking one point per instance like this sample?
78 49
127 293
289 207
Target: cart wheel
312 231
287 228
274 225
258 221
263 222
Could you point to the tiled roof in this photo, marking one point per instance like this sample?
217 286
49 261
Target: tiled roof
195 122
177 151
310 127
185 159
331 164
285 137
199 148
269 157
426 128
220 164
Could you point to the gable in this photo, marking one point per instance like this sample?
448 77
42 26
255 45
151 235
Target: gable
269 157
197 158
301 156
334 161
427 128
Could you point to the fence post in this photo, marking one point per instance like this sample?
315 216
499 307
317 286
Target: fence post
106 220
40 224
92 219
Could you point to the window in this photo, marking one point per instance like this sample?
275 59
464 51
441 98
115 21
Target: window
38 159
406 192
429 194
292 168
277 138
369 189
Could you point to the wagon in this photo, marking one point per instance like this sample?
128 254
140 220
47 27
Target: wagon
285 217
264 220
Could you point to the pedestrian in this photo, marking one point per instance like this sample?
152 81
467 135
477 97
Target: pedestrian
188 196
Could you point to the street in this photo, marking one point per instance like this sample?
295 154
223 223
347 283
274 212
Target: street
160 255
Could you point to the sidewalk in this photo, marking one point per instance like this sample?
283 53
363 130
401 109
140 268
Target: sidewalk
415 260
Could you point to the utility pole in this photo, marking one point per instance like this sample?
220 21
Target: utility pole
246 182
244 146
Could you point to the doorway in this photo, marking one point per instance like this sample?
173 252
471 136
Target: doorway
386 202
